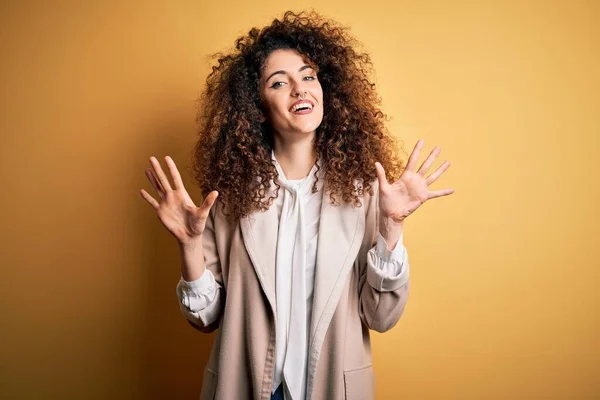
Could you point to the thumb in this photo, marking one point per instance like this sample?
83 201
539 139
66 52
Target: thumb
207 204
381 175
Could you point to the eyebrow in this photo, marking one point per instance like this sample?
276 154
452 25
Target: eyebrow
283 72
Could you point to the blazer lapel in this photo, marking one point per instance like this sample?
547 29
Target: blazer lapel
259 232
341 230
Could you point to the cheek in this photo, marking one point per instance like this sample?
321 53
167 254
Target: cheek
319 94
275 104
267 105
275 109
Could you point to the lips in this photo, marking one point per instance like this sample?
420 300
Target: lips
300 102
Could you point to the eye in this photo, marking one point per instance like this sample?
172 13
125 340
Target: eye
277 85
312 78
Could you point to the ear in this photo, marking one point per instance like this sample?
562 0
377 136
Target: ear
262 118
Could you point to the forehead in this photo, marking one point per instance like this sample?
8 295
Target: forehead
284 59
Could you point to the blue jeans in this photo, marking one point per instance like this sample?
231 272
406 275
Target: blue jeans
278 395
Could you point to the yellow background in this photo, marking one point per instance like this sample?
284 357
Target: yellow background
504 300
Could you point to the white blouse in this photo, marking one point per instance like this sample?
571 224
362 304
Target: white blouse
196 295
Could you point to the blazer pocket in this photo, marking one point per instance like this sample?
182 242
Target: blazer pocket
209 385
359 383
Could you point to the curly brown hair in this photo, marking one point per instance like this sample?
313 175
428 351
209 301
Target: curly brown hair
233 151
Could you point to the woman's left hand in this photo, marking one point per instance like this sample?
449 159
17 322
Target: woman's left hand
402 198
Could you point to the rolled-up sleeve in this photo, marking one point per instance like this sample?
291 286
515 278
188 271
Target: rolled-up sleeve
383 282
196 295
387 270
202 301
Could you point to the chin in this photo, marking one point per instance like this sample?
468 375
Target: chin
308 127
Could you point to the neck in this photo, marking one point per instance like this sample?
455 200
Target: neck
295 158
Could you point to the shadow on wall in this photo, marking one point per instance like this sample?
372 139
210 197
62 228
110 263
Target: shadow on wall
173 353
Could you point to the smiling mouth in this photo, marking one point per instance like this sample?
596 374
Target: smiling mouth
302 111
304 107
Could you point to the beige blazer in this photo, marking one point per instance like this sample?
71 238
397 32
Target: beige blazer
351 296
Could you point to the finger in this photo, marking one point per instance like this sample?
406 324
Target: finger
434 176
439 193
429 161
149 199
414 156
383 183
208 203
178 183
155 183
162 178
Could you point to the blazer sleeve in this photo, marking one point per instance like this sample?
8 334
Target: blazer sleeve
202 301
383 275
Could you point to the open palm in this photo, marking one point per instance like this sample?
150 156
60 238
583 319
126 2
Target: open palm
177 211
400 199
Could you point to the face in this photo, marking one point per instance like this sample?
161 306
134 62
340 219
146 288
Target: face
284 80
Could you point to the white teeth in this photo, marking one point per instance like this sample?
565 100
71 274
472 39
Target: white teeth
297 106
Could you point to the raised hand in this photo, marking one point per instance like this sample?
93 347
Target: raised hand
176 210
402 198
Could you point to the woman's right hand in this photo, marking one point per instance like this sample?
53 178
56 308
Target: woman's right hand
177 211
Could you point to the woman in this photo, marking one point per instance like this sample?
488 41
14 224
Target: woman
303 253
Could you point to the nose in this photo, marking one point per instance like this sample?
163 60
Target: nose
298 90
